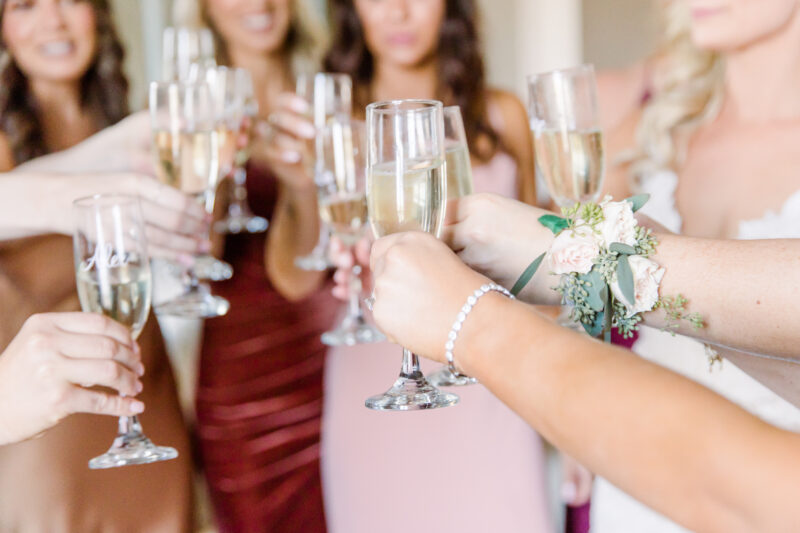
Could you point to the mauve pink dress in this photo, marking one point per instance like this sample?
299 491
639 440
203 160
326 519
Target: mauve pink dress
475 467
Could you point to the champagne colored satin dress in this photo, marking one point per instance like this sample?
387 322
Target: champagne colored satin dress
45 484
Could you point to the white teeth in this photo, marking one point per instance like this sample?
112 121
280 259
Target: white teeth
57 48
257 22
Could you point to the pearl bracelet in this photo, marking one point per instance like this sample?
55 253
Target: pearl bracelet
472 300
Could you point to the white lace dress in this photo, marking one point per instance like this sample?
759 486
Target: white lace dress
614 511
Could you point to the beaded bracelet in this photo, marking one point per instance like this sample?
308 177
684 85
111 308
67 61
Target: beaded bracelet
472 300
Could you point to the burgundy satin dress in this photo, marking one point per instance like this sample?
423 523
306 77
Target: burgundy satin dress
259 399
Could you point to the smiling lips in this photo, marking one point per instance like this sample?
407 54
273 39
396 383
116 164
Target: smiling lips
260 22
57 48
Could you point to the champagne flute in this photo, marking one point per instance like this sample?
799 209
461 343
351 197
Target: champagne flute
187 157
113 277
567 139
183 47
239 217
459 183
330 98
406 191
343 207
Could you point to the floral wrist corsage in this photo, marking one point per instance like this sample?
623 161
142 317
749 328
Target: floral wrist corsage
606 277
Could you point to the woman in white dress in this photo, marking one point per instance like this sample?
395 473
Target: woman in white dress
717 150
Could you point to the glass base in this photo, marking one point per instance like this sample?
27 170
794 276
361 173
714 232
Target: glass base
313 263
241 224
444 378
412 393
211 268
195 304
134 449
352 332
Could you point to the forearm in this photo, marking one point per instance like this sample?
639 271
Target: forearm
742 289
293 233
32 204
663 439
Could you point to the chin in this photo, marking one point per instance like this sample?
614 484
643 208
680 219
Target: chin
715 41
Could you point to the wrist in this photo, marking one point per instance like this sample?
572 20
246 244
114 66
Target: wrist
480 331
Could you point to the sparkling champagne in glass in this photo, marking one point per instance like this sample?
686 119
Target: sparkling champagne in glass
567 138
407 191
186 151
341 196
112 272
330 99
459 183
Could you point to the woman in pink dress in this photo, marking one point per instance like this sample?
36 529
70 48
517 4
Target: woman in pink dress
487 471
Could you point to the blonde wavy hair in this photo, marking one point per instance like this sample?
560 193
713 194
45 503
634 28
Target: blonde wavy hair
306 42
687 93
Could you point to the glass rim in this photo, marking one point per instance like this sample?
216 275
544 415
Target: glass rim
112 199
584 68
333 75
394 107
181 84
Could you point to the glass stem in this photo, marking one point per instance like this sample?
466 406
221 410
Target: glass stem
129 425
411 368
354 305
239 191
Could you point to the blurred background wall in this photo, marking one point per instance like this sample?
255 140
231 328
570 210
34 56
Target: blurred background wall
520 36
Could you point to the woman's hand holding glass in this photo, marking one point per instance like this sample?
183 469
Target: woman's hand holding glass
499 237
47 371
441 284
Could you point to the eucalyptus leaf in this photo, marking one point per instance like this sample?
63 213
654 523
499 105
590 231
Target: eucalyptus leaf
526 276
596 327
622 249
625 279
594 289
609 315
638 201
554 223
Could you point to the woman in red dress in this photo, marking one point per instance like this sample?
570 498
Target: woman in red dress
259 399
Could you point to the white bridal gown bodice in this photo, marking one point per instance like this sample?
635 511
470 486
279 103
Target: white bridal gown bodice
614 511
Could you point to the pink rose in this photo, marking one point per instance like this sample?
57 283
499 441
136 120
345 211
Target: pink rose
647 277
619 224
573 251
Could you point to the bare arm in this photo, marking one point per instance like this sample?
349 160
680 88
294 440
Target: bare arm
658 436
500 237
294 228
515 137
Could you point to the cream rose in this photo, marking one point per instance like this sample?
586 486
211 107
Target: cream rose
619 224
573 251
647 277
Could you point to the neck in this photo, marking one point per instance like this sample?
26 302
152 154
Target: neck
762 81
58 100
271 72
393 82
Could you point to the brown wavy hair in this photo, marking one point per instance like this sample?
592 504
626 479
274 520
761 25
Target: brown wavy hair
104 90
461 81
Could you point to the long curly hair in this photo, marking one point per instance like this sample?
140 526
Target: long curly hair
104 90
461 70
688 93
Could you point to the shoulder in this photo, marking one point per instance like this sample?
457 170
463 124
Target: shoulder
509 118
6 154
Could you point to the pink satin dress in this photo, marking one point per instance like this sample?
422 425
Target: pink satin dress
472 468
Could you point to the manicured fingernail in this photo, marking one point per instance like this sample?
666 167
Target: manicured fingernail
308 131
568 492
137 407
185 260
291 156
298 105
136 348
140 369
139 387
